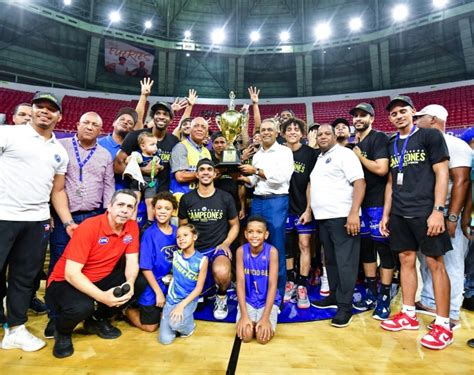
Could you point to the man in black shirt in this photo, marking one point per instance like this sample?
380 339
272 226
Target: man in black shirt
414 197
212 211
300 218
372 151
343 131
162 115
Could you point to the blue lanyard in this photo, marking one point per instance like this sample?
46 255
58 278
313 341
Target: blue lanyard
404 149
78 156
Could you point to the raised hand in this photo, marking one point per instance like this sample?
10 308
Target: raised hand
146 84
192 97
254 93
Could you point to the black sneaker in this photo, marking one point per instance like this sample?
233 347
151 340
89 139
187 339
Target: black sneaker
102 328
49 330
342 319
468 303
37 306
3 318
62 345
470 343
326 303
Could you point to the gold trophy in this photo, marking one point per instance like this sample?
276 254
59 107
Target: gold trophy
230 123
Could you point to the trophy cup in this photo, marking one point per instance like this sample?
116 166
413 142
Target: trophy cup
231 123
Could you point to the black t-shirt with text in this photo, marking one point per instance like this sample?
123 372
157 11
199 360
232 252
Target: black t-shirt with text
226 182
209 215
415 197
374 146
130 144
305 159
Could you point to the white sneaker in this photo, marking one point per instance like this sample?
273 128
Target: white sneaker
324 291
21 338
220 308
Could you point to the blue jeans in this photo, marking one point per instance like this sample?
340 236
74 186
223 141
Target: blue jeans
454 263
169 328
59 238
469 283
275 211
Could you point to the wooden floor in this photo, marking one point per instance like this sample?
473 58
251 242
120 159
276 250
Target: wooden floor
305 348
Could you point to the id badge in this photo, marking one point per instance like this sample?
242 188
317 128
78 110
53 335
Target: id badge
399 179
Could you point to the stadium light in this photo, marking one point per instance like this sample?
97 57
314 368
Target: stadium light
187 34
440 3
188 54
284 36
355 24
114 16
67 2
218 36
322 31
148 24
400 13
254 36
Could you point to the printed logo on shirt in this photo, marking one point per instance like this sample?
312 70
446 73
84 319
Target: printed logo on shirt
205 214
57 158
299 167
128 239
328 160
165 156
168 251
411 157
103 240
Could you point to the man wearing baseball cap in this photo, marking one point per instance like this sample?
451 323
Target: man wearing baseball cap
372 151
434 116
414 205
343 131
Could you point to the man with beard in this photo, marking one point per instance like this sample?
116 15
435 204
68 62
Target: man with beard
212 211
372 151
343 131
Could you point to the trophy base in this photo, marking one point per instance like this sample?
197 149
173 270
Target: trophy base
230 167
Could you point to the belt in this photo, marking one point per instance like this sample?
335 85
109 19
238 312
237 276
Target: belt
270 196
97 210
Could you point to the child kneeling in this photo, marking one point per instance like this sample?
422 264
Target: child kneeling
189 275
257 276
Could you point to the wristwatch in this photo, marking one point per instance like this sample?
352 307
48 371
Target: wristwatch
453 218
68 223
257 171
439 208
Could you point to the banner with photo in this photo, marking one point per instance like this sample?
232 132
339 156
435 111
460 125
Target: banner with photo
127 60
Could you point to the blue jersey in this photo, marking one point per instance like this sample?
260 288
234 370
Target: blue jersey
185 276
156 255
256 271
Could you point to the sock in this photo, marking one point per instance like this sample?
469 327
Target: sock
443 322
302 280
385 290
372 285
409 310
290 275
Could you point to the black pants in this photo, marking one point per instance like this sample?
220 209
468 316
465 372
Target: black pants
71 306
341 253
23 243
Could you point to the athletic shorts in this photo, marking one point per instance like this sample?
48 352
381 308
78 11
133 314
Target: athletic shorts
370 223
293 224
209 284
150 314
256 314
410 234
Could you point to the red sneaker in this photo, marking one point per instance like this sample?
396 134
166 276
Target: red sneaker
438 338
400 322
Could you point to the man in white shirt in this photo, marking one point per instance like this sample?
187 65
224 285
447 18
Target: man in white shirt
33 163
270 174
435 116
337 191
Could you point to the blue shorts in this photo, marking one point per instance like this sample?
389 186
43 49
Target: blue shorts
370 223
292 224
209 284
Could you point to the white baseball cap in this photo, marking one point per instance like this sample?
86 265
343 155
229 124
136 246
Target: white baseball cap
435 110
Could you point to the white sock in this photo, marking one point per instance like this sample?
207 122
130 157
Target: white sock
409 310
443 322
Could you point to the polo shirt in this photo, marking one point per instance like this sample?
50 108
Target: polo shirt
331 183
110 145
28 165
278 165
97 247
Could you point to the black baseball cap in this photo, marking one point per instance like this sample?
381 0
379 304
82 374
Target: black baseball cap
127 111
314 126
205 161
339 121
164 105
49 97
400 98
366 107
216 135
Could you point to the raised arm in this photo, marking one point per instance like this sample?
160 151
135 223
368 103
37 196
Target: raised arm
146 86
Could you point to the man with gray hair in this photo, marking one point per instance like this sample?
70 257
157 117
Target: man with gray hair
435 116
270 174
